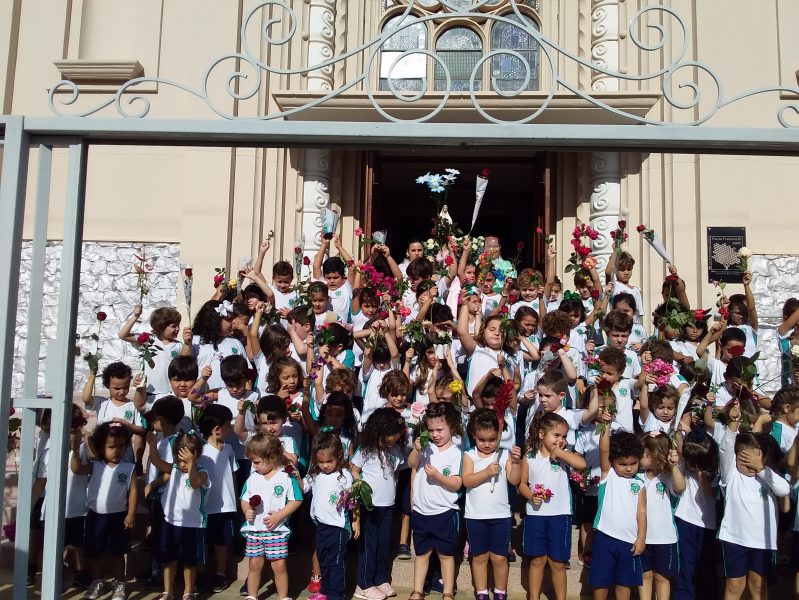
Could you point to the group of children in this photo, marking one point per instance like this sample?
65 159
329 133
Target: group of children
362 395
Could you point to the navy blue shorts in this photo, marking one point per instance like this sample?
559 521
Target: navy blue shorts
488 535
435 532
548 536
183 544
660 558
220 529
37 524
74 531
613 563
106 534
795 550
739 560
585 509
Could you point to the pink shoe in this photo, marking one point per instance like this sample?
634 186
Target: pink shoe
317 596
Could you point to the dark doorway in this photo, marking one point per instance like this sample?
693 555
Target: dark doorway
514 205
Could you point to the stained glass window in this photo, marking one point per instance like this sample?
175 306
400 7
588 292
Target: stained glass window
408 73
460 49
507 70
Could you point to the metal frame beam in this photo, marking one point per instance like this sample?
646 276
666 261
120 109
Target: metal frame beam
285 134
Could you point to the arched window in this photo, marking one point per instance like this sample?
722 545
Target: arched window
460 49
507 70
410 72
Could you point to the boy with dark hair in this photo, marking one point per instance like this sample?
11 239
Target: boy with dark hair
279 291
334 272
187 385
220 502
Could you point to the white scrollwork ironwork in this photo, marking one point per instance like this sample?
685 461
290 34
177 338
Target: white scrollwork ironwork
679 77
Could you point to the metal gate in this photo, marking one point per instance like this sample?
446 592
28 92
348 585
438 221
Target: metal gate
76 133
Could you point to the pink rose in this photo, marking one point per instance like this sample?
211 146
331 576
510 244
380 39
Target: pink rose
358 231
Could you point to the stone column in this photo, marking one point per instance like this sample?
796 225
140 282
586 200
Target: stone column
316 167
605 203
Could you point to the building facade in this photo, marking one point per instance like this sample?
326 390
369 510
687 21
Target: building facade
469 61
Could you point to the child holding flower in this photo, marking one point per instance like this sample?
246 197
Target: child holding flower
623 262
545 486
334 272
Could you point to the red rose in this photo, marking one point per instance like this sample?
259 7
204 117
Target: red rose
520 246
504 310
143 338
306 260
448 260
486 173
289 469
622 224
672 278
218 280
101 316
603 384
595 294
297 249
640 228
255 501
383 314
699 314
555 347
725 314
613 234
575 242
539 231
583 251
736 350
350 263
188 272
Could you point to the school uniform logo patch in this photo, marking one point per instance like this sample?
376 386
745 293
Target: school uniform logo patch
635 488
234 350
554 466
629 361
623 392
660 488
122 478
333 499
188 483
447 471
128 415
278 491
763 492
173 354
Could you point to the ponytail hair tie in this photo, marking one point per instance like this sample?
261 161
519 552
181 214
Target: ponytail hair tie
225 309
567 295
327 429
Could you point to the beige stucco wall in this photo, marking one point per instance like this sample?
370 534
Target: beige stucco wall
186 195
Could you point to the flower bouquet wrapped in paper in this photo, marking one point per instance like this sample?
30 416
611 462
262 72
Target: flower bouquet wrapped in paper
654 241
329 222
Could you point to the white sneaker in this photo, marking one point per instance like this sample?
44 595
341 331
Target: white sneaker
119 593
386 589
95 590
371 593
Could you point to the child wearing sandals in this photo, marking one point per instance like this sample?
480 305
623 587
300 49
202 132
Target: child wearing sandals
270 496
436 484
486 468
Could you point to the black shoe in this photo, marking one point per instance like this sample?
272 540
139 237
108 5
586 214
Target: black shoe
82 580
243 590
217 582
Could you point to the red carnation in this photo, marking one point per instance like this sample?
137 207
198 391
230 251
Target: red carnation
583 251
143 338
622 224
736 350
255 501
595 294
486 173
218 280
699 314
448 260
188 272
641 228
101 316
725 314
575 242
306 260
